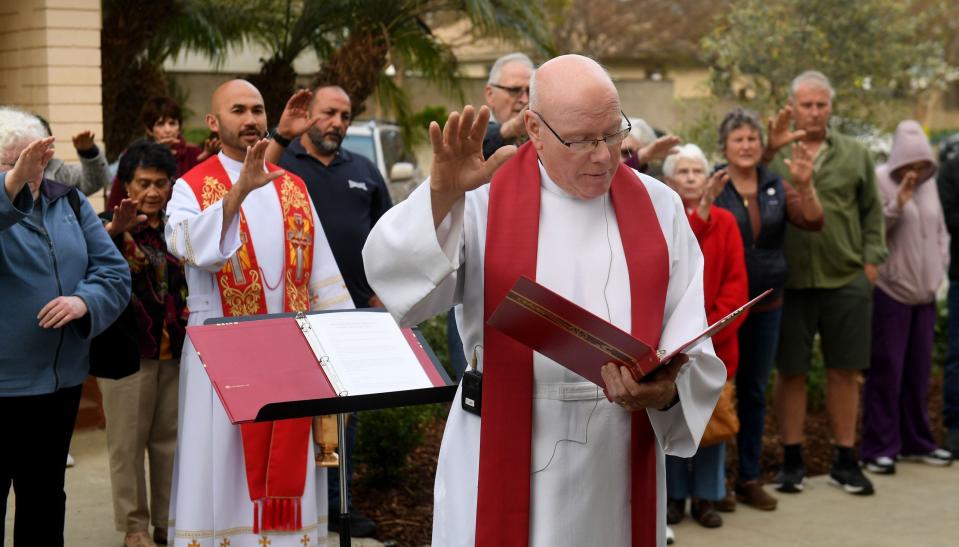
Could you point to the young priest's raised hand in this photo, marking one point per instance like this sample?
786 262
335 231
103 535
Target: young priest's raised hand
657 391
253 175
458 164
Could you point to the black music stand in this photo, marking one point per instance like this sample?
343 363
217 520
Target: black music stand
442 390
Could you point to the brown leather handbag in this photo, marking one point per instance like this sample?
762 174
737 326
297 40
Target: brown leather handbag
724 425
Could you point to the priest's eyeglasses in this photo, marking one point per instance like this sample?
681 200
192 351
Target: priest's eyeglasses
589 145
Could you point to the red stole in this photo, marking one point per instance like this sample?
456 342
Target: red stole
275 453
512 235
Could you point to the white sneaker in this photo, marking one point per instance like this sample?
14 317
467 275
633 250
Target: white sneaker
939 456
70 461
670 536
883 465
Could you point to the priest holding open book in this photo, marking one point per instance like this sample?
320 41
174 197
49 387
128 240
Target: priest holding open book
549 458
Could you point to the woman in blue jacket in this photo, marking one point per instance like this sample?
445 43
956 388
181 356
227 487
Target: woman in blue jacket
62 282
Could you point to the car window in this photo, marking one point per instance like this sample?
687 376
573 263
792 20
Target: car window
392 143
361 144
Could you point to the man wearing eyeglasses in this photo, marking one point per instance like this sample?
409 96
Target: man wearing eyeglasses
550 460
507 96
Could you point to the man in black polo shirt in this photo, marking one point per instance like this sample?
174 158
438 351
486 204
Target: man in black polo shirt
347 189
350 195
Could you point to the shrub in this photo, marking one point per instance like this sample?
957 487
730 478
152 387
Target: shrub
434 330
386 438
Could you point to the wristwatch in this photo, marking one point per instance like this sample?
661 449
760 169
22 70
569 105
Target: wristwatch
280 139
672 403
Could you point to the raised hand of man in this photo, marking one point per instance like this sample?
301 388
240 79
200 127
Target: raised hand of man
458 164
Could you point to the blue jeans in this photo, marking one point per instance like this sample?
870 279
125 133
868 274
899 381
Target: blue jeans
758 339
702 475
333 477
950 384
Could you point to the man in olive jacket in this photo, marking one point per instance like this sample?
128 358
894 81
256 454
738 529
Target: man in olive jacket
830 283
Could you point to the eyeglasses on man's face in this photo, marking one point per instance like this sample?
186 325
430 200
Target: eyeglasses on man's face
514 92
588 145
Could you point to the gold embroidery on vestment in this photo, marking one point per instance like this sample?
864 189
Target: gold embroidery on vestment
213 191
292 196
247 301
297 296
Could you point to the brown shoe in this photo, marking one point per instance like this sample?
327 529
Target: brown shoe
727 504
675 510
705 513
752 494
159 536
140 538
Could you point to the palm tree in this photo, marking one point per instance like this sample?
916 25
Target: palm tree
139 35
357 40
287 28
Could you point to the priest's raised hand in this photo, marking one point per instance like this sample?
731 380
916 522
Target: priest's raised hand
253 175
458 164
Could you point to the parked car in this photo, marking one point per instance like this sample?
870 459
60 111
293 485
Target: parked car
877 141
383 144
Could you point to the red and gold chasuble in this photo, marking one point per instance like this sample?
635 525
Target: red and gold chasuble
275 453
512 236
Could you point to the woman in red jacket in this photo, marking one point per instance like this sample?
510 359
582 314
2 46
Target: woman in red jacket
725 288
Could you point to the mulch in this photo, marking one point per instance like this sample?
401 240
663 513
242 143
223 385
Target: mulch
404 511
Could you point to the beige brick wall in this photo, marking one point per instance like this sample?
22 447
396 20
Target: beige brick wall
50 64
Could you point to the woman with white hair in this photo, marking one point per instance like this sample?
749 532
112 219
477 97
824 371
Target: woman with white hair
642 146
724 289
62 282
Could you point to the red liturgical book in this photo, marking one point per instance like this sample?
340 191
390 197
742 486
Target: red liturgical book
546 322
293 365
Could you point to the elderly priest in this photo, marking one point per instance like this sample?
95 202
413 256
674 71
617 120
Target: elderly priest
552 461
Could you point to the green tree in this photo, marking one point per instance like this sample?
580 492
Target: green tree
876 52
138 36
356 41
650 32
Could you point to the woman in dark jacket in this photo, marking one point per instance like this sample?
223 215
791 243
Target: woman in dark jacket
62 282
141 409
762 204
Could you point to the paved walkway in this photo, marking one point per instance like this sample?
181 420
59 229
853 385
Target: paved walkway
89 503
916 507
919 506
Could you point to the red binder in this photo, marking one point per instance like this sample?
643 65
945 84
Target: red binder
263 368
546 322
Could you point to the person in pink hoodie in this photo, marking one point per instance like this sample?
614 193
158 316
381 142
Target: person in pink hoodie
895 396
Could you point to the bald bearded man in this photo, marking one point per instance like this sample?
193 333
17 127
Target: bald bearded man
551 461
252 244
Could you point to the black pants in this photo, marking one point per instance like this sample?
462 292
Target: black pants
36 433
